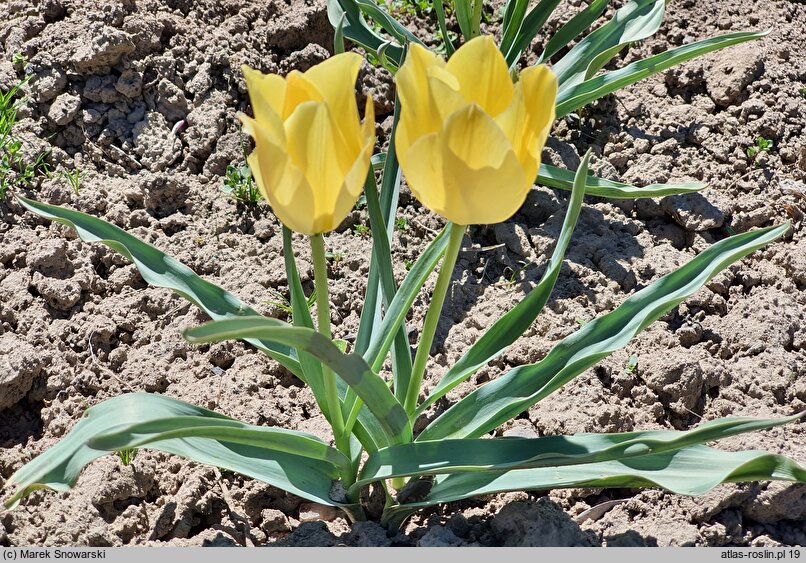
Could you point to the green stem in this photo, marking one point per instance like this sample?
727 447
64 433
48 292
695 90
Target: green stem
432 317
323 325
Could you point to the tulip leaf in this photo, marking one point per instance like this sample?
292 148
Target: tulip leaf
338 35
693 470
388 23
301 316
636 20
507 396
511 326
560 178
569 99
58 467
531 26
356 29
473 454
351 368
514 13
572 29
161 270
401 304
463 11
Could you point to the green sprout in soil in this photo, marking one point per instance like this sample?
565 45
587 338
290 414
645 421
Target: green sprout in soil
284 304
761 145
16 170
362 231
127 455
632 364
239 186
74 178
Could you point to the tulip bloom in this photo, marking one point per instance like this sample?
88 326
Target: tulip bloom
311 152
468 140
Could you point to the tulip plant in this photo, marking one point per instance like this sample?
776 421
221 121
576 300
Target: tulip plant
468 140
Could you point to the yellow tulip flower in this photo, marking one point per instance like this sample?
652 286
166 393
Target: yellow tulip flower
311 152
468 140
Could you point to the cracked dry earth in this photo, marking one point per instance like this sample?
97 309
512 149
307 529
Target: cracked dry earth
111 79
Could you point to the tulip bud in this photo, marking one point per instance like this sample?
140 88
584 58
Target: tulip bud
312 153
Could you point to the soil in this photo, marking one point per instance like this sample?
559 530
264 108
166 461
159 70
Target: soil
141 96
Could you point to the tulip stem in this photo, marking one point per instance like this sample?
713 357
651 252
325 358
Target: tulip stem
323 325
432 317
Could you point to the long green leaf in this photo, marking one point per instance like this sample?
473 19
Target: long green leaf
59 466
139 434
462 11
474 454
389 414
694 470
403 300
511 326
569 99
514 13
572 29
531 26
387 22
496 402
636 20
161 270
560 178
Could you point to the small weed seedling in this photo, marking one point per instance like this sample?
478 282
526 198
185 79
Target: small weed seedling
282 302
334 257
762 145
15 169
401 224
127 455
632 364
362 231
74 178
239 186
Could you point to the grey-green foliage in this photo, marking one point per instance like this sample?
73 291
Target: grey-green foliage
450 451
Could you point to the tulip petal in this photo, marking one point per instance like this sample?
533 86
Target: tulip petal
527 123
282 183
267 95
483 74
468 173
316 148
356 176
539 87
417 117
335 80
266 91
298 91
424 173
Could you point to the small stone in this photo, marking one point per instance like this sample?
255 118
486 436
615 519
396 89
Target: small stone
312 511
48 83
64 109
130 83
693 212
274 521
